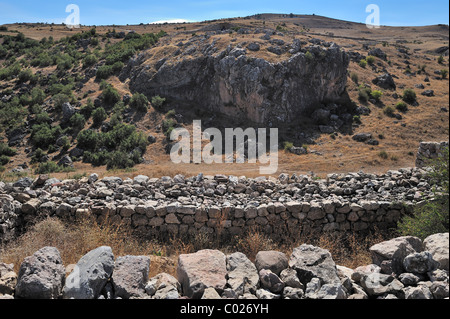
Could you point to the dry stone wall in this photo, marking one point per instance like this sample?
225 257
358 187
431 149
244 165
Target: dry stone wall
220 205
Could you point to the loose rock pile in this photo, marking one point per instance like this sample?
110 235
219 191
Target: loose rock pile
283 206
403 268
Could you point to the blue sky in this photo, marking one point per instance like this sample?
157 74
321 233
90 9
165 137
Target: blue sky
99 12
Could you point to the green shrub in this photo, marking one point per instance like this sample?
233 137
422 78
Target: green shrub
119 160
354 77
409 96
441 59
37 96
43 118
38 155
24 76
89 60
6 150
364 93
59 99
444 73
370 59
139 102
383 154
433 216
104 72
87 109
287 145
158 102
401 106
77 121
389 111
110 95
363 63
376 94
309 56
47 168
88 140
99 115
171 114
43 135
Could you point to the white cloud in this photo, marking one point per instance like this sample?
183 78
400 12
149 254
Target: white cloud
171 21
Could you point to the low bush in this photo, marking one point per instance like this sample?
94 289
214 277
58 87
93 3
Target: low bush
401 106
139 102
409 96
158 102
99 115
389 111
376 94
110 95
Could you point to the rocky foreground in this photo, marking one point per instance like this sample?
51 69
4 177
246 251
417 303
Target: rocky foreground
403 268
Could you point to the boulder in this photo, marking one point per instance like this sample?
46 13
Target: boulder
385 81
201 270
90 274
130 276
386 250
8 279
420 263
420 292
310 261
163 286
376 284
273 260
242 274
438 246
67 111
271 281
41 276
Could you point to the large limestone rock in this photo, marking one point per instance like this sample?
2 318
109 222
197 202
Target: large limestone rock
90 274
438 246
240 86
386 250
130 276
201 270
310 261
242 274
273 260
41 276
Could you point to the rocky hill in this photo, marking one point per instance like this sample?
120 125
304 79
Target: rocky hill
107 97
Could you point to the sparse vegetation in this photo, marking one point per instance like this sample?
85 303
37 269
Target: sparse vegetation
433 216
444 73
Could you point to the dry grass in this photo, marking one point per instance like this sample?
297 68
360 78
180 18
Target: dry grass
74 240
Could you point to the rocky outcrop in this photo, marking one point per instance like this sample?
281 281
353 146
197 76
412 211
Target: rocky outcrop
311 273
233 83
429 151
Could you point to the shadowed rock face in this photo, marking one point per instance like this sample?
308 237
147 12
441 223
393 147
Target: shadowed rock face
240 86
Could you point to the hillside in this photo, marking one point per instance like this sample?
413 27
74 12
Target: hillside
100 71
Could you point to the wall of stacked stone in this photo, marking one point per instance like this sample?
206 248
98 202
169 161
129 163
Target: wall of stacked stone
429 151
287 206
